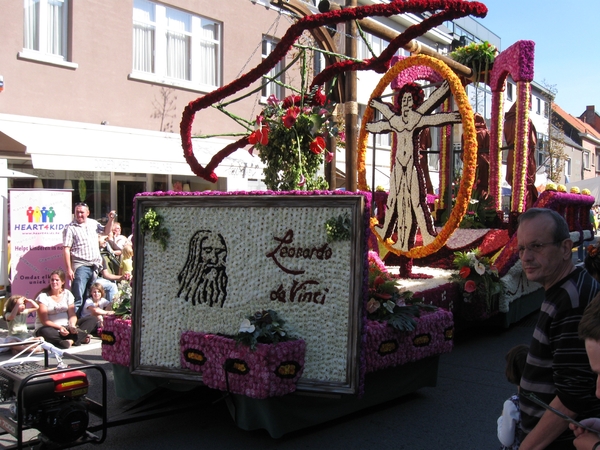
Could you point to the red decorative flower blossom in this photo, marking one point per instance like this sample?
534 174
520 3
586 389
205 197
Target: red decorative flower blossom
465 271
318 145
260 135
289 119
470 286
319 98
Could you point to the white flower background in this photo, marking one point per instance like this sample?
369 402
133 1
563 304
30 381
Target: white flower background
249 234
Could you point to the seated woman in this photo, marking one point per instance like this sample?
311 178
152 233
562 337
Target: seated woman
16 310
56 320
97 306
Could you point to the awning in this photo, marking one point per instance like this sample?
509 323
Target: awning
64 145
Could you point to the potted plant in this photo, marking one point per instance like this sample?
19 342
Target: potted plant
262 360
116 333
478 56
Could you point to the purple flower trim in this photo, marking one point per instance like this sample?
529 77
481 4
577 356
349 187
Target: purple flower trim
388 347
116 340
259 373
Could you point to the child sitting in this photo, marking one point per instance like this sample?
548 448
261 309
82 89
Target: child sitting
509 429
126 267
96 306
16 310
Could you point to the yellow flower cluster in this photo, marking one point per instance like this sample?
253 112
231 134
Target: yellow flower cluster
469 151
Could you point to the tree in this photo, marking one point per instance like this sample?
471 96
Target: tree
164 107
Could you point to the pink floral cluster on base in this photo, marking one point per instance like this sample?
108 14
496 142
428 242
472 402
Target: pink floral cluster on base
116 340
388 347
261 366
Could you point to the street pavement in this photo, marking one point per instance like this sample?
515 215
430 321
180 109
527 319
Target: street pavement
459 413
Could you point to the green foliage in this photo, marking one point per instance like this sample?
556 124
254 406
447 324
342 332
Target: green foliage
339 228
153 223
388 303
263 327
122 301
479 57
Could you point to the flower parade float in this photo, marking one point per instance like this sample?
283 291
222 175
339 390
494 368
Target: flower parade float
298 254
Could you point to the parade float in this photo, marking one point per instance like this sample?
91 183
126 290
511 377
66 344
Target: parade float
299 298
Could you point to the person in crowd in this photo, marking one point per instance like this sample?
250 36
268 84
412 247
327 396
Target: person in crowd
16 310
97 306
557 369
56 320
589 332
509 423
126 267
108 274
81 252
592 260
119 239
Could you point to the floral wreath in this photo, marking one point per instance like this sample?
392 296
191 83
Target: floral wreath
469 155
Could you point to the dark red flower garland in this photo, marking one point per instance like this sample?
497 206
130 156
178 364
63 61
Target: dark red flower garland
451 9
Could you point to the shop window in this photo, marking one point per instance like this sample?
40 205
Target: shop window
168 42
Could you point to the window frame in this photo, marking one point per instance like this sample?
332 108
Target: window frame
39 50
586 160
268 44
192 26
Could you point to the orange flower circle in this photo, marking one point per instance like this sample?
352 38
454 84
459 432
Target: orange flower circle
469 150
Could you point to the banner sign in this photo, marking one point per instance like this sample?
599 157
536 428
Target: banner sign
229 256
37 220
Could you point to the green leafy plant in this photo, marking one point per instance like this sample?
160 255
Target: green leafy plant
478 56
262 327
290 137
477 277
339 228
122 301
153 223
388 303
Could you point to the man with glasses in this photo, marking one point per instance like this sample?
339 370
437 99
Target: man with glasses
81 251
557 369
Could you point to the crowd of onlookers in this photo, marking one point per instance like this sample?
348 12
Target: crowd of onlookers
97 257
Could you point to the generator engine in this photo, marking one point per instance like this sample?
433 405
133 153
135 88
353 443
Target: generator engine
51 401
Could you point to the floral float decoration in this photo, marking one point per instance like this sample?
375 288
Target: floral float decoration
262 360
339 228
401 329
441 11
478 56
388 302
477 278
290 137
116 333
417 196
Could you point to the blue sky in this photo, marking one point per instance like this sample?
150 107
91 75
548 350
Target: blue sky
566 54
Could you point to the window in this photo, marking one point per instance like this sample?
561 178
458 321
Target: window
171 43
45 28
586 160
597 162
377 45
546 109
270 87
509 92
538 106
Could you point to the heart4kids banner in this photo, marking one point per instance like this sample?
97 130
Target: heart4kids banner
37 220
